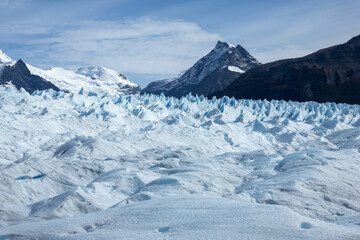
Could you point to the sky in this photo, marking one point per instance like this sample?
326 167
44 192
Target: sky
149 40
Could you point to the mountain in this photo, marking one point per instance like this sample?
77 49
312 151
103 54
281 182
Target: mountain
19 76
95 79
213 72
328 75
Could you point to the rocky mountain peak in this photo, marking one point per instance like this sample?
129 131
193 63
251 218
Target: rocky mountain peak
221 44
216 70
20 64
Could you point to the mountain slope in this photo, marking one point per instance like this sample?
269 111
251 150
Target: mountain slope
19 76
211 73
4 58
94 79
328 75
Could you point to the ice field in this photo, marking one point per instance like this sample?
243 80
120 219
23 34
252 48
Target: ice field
96 166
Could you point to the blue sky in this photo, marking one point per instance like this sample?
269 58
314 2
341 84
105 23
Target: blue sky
149 39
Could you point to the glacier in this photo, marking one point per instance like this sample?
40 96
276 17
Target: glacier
94 165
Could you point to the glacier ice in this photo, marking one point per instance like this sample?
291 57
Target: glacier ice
92 166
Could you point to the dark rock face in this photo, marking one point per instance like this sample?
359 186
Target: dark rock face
20 76
209 74
130 89
328 75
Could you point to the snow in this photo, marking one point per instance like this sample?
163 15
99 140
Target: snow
235 69
105 75
93 165
186 217
4 58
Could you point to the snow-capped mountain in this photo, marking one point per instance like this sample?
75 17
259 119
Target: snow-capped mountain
81 166
213 72
96 79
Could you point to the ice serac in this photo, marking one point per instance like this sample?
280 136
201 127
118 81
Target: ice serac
213 72
328 75
18 75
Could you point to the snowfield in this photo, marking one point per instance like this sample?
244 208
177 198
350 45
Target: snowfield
90 165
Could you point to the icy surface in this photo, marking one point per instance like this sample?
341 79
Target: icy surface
186 217
91 165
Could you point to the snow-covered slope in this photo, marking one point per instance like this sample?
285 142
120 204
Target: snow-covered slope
211 73
95 79
4 58
86 166
110 79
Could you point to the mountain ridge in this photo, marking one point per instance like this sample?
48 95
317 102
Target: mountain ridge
328 75
31 78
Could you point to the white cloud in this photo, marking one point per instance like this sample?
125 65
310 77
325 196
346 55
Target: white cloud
141 46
